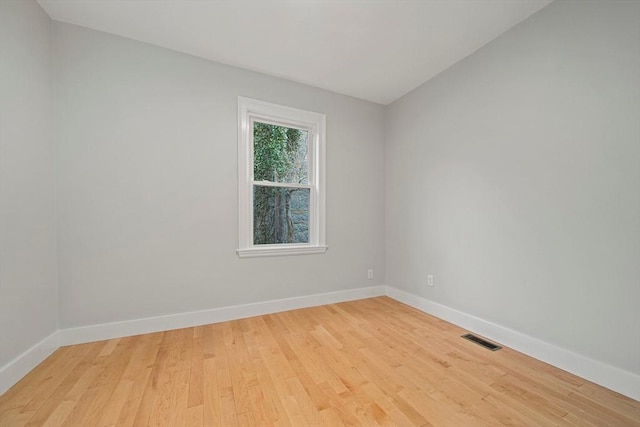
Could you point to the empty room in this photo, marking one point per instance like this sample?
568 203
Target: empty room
319 213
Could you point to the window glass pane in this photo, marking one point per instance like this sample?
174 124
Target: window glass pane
280 215
280 154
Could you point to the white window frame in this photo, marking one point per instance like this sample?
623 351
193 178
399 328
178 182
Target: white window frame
249 111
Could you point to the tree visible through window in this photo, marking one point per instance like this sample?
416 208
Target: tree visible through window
281 181
280 214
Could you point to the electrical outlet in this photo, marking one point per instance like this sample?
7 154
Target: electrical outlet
430 280
370 274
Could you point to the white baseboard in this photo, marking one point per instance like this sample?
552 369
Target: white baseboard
195 318
21 365
600 373
13 371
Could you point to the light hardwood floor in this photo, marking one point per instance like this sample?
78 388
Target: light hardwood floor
367 362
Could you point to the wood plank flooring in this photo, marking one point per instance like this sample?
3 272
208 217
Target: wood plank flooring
362 363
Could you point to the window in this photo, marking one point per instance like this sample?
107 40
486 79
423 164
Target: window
281 166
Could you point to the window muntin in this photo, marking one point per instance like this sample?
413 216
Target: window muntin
280 180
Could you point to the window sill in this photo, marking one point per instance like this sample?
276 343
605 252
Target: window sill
280 250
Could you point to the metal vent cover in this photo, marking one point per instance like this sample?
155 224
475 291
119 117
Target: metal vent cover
480 341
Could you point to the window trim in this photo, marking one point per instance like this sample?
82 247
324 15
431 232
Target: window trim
250 110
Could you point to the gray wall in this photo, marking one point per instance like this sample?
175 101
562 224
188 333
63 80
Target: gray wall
146 142
28 283
514 178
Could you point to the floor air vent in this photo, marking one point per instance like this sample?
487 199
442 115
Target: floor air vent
480 341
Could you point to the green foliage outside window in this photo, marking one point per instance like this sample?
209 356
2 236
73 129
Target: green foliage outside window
280 214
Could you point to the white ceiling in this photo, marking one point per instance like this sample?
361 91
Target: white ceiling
376 50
